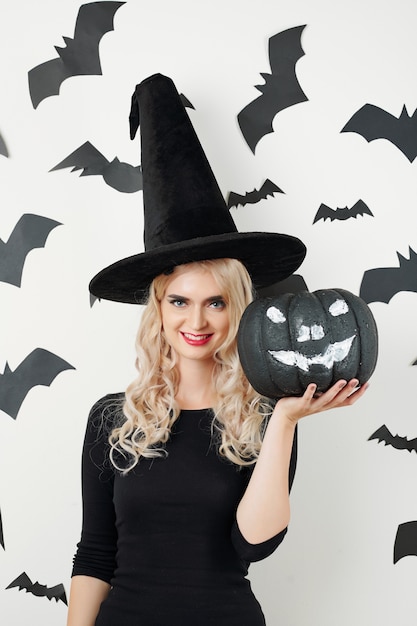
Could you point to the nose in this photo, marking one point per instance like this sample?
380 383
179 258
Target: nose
197 319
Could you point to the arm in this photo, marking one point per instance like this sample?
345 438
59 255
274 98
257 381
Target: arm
86 595
264 510
94 560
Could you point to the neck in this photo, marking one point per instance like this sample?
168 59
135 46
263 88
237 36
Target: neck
195 390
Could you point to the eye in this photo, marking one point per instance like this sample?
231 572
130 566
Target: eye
339 307
275 315
177 302
217 304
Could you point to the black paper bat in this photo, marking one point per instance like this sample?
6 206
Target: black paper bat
3 148
381 284
121 176
80 56
40 367
252 197
31 231
281 89
372 122
41 591
325 212
383 434
405 541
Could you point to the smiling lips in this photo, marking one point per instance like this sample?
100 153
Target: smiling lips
196 340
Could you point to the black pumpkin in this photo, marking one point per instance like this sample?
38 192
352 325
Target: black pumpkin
287 341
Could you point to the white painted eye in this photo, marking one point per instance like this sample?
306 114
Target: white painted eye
275 315
339 307
314 332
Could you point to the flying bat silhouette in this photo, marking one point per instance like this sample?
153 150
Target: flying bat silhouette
121 176
79 56
41 591
31 231
383 434
373 122
405 541
381 284
325 212
281 89
40 367
252 197
3 148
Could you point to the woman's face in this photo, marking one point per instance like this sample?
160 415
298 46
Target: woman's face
195 315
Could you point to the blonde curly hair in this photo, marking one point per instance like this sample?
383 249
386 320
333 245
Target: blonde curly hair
150 408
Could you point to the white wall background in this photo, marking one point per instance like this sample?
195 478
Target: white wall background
336 564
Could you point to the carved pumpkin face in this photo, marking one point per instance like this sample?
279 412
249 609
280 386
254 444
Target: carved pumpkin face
286 342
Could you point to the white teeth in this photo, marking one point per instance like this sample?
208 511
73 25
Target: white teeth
195 337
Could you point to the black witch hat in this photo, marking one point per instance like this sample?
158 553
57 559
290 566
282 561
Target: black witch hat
185 215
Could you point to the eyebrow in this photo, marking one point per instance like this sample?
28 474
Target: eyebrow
175 296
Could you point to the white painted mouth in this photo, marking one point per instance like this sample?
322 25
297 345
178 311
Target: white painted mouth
334 353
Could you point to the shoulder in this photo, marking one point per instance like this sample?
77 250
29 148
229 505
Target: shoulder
106 413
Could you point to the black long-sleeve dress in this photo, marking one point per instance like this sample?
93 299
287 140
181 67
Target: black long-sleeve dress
165 535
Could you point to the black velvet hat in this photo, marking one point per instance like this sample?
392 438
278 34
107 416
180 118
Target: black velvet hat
186 218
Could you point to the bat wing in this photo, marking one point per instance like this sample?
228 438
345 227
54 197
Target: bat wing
52 593
281 88
79 56
22 581
87 158
40 367
372 122
324 212
381 284
405 541
31 231
360 208
123 176
384 435
234 199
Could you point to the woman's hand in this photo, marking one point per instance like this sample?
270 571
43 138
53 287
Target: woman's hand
341 394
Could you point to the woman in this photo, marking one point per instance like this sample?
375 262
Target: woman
188 520
186 477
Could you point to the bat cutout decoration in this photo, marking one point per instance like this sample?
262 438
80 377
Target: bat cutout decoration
405 541
372 122
117 174
40 367
3 148
252 197
1 533
382 284
31 231
80 56
134 116
325 212
383 435
280 91
41 591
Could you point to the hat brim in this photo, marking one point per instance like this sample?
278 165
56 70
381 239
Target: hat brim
268 257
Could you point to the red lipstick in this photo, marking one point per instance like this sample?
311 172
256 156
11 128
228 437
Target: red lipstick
196 340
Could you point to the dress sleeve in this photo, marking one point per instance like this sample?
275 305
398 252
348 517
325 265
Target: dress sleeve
251 552
96 551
